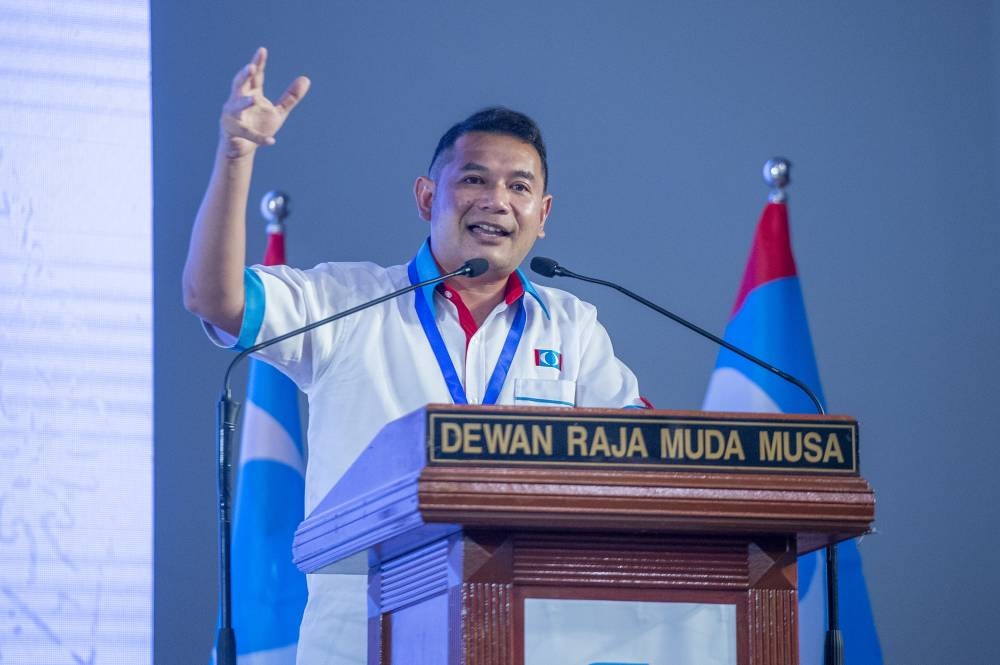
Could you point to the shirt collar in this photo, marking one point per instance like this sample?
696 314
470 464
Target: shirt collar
427 268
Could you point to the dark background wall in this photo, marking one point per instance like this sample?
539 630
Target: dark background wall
658 117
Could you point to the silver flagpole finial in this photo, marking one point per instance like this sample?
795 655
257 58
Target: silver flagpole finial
275 206
777 175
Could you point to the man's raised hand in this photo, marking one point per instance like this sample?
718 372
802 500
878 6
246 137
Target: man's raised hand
249 119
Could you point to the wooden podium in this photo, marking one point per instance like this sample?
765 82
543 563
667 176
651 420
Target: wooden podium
468 514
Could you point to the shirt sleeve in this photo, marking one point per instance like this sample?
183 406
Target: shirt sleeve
253 314
604 380
280 299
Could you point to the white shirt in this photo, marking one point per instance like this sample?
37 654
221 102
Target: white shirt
373 367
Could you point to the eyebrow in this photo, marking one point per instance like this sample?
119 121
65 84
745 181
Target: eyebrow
473 166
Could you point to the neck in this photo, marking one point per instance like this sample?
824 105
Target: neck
481 295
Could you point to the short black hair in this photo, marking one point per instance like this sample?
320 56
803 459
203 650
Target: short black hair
497 120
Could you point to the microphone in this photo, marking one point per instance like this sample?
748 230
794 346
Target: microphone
546 267
833 647
226 413
550 268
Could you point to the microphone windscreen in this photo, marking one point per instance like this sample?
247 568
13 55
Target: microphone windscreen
477 267
544 266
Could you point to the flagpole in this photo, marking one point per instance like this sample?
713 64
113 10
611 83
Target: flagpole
777 175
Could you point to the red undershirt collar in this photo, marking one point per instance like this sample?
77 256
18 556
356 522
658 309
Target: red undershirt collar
513 290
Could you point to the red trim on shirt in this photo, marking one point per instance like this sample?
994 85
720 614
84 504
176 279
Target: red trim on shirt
513 290
465 318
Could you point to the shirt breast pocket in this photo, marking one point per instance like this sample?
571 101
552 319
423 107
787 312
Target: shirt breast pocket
544 392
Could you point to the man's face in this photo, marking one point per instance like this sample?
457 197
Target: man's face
487 199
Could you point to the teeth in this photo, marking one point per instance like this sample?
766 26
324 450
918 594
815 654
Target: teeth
489 228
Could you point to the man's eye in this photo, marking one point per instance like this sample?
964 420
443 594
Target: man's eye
472 180
520 187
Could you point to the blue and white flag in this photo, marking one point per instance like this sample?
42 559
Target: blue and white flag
269 592
769 321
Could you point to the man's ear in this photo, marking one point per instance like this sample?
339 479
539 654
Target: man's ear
546 209
423 193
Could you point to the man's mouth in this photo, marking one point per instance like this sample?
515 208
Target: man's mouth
490 230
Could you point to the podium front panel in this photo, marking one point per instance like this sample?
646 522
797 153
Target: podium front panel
563 630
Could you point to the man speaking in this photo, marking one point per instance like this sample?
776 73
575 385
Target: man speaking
491 339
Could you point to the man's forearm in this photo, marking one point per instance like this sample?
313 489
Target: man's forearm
213 273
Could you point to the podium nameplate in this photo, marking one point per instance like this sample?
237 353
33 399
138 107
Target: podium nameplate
445 468
639 440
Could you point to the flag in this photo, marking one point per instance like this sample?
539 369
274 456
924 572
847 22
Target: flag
769 321
269 592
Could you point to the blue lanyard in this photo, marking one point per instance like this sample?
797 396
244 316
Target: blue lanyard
454 383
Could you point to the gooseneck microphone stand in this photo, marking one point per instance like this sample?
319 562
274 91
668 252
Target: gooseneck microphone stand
551 268
227 411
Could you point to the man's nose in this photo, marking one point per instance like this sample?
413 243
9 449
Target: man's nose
495 198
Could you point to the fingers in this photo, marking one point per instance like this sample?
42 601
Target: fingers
241 79
259 61
294 94
251 75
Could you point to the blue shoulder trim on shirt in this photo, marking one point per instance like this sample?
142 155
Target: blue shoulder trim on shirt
427 268
530 288
253 309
